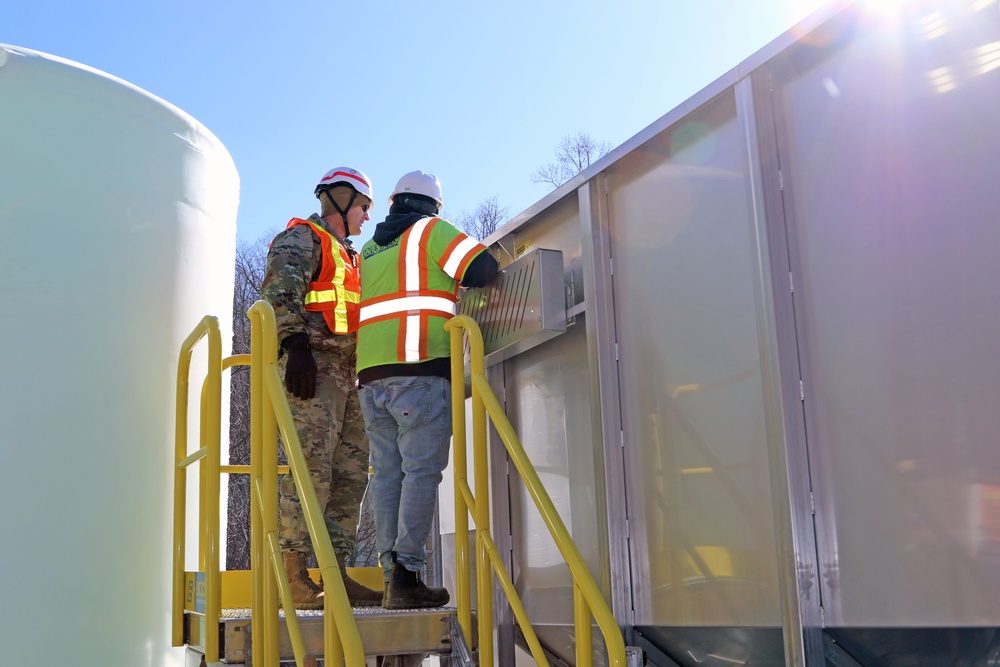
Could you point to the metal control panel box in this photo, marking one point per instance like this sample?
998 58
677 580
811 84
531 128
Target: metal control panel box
523 307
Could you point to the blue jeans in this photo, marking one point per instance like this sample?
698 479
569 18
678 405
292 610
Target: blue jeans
408 421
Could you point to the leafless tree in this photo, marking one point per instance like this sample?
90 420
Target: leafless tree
251 261
365 552
573 154
486 219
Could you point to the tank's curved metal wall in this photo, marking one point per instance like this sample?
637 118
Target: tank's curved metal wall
118 217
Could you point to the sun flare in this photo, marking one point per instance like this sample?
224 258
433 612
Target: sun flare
885 7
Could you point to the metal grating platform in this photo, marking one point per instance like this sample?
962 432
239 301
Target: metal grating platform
383 631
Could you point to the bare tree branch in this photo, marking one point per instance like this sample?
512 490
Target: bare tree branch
251 262
574 153
365 552
488 217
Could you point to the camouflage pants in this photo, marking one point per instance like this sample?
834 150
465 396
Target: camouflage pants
332 432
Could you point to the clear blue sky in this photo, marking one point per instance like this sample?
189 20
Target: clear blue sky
477 93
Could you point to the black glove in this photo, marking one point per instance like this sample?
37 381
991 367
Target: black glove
300 370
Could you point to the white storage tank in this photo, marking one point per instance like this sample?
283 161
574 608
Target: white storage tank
117 235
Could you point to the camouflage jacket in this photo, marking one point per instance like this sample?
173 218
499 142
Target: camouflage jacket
294 261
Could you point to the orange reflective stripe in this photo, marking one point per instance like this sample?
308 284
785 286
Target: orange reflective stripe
422 255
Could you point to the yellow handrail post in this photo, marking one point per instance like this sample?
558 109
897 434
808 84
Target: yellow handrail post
257 564
481 475
208 454
202 476
269 415
268 341
341 637
581 575
212 423
180 488
462 587
262 429
333 648
587 597
583 630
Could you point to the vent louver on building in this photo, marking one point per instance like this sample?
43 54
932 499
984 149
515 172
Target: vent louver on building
524 306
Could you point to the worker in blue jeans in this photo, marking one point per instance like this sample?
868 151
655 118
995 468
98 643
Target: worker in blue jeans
408 421
411 271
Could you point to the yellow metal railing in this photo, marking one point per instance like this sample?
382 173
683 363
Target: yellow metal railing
587 598
209 456
269 414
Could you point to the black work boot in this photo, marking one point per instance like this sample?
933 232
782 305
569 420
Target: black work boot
406 591
358 594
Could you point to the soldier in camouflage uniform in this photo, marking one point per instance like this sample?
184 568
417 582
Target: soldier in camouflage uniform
312 284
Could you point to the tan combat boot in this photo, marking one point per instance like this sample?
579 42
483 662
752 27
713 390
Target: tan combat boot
306 594
358 594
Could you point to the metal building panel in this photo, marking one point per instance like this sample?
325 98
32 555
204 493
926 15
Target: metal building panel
693 414
846 287
549 403
549 397
890 150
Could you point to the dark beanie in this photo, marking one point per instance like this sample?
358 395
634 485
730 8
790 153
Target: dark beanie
413 203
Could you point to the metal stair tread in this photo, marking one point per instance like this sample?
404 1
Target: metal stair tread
383 631
244 612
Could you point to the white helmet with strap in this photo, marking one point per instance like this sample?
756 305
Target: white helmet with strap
345 176
418 183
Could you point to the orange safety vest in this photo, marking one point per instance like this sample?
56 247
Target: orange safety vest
337 290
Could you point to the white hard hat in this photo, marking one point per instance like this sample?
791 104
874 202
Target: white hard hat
419 183
346 176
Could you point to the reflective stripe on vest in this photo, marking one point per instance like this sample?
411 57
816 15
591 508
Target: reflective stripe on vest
411 291
414 302
337 291
444 306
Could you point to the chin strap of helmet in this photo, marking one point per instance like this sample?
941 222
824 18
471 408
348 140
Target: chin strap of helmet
343 212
